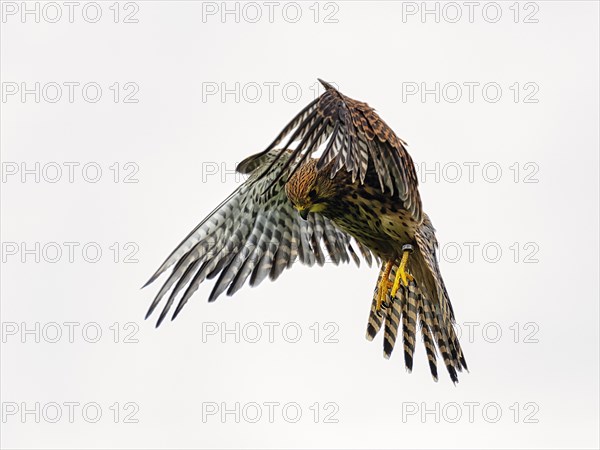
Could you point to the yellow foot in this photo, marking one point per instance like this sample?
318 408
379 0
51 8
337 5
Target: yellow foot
384 284
401 273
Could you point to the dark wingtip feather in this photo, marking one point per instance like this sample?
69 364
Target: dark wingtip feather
214 294
162 316
150 281
152 306
178 309
325 84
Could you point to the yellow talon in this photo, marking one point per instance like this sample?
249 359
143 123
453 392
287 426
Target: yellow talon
402 274
383 285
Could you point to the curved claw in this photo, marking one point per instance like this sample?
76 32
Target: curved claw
406 277
383 285
402 274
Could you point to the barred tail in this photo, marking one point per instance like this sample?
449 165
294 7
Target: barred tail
401 310
376 318
409 323
414 306
428 341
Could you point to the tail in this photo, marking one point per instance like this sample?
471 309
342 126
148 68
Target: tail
423 303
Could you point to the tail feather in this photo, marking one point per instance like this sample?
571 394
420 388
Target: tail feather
459 358
409 323
414 306
376 318
442 342
392 322
428 340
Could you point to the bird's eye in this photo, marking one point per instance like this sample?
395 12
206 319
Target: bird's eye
312 194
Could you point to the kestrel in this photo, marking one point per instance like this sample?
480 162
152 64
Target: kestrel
359 196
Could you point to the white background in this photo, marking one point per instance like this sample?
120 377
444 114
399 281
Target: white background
546 364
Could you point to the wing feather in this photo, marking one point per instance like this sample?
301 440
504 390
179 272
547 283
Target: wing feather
355 136
253 234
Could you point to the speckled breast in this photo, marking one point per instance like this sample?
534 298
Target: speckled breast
378 220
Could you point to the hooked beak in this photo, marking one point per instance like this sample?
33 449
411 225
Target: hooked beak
304 213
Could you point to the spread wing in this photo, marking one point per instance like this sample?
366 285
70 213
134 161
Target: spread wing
353 136
253 234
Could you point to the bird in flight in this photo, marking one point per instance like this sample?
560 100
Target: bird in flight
360 196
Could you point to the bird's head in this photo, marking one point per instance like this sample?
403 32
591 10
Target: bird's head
309 189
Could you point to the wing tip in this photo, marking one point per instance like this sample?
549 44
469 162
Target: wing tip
148 313
162 316
151 309
178 309
325 84
150 280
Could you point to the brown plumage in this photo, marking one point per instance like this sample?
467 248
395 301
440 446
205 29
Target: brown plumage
360 194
